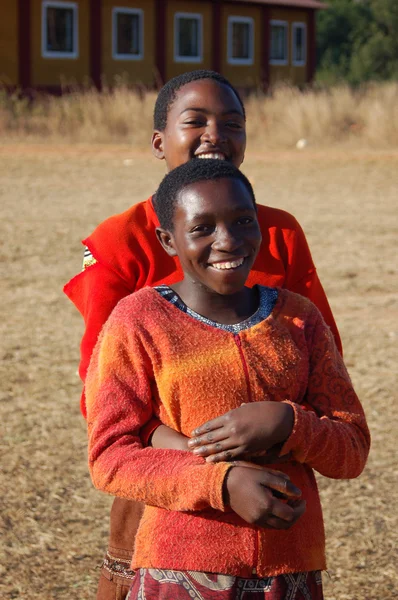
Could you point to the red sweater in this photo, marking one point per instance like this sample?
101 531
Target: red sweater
152 359
129 257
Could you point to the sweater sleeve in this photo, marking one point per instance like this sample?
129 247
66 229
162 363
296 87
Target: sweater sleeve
311 287
302 278
95 293
334 438
119 403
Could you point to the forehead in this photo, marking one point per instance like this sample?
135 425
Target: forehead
218 198
207 94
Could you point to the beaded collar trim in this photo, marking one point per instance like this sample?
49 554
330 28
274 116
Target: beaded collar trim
267 299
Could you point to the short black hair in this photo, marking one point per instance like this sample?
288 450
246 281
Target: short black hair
193 171
169 91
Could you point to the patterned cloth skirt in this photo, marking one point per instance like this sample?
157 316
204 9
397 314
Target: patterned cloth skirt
157 584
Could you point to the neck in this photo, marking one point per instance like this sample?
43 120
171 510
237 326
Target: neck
225 309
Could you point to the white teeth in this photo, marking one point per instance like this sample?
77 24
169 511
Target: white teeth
214 155
228 265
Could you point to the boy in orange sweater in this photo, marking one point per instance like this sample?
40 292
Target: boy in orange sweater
197 114
209 346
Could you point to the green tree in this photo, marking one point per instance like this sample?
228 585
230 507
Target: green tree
358 41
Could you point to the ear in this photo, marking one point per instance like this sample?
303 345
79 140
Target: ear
157 144
167 241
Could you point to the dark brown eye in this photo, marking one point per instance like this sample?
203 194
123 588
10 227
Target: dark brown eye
234 125
195 121
201 229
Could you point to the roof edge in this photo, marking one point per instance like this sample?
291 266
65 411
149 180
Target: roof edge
314 4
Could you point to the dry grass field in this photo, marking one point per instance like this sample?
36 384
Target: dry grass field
53 523
367 116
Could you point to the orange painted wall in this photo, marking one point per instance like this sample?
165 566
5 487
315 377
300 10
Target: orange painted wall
9 42
203 8
137 71
53 71
293 74
242 75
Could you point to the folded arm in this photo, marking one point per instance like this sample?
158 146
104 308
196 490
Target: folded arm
328 431
119 404
333 438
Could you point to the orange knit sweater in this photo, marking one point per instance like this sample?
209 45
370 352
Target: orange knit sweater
153 359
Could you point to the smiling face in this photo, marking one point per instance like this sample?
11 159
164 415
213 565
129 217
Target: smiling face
205 120
215 235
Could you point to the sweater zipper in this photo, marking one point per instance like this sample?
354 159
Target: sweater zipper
238 342
244 363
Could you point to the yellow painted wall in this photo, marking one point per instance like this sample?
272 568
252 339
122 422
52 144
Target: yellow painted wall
9 42
242 75
203 8
53 71
295 75
137 71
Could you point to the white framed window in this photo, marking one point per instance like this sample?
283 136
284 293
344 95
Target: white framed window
127 33
59 29
279 50
299 44
240 44
188 34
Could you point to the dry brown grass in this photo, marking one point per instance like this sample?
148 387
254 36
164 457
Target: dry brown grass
367 116
340 115
53 523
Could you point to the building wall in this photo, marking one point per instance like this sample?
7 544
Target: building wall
203 8
293 74
138 71
242 75
54 71
9 42
49 72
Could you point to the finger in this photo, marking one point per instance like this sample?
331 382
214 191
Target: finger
274 523
217 435
276 472
208 426
247 464
278 482
283 511
299 508
225 456
216 448
278 520
253 465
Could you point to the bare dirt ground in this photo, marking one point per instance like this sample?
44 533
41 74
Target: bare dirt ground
53 523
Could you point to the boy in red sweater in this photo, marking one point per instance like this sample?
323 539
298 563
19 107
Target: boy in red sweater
260 366
197 115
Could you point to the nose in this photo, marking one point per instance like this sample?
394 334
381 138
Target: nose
214 133
226 240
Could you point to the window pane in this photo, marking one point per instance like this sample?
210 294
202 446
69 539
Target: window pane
278 42
188 37
60 34
128 34
299 44
240 40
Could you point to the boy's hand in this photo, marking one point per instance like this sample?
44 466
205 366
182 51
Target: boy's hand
247 493
244 431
